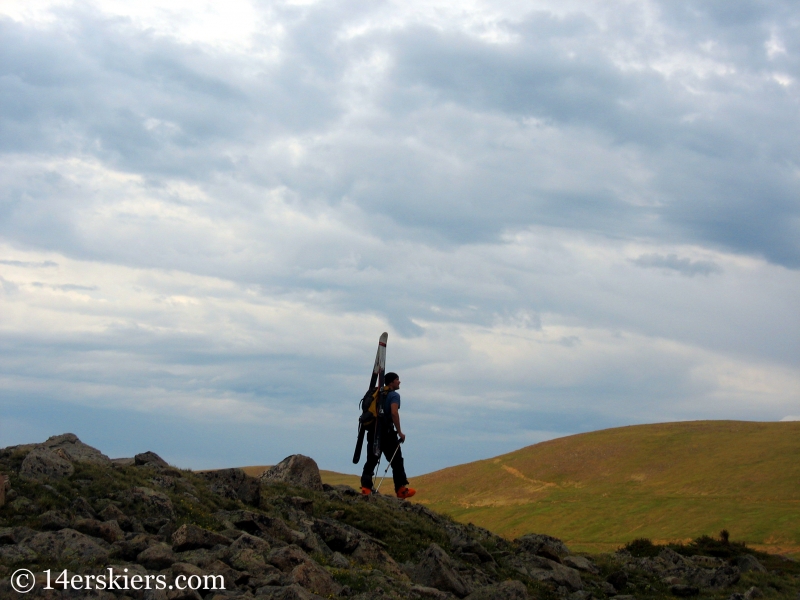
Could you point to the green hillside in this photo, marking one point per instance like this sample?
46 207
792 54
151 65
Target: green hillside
667 482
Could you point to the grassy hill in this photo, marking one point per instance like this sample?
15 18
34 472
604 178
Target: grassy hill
667 482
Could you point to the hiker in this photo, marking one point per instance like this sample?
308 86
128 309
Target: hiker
389 433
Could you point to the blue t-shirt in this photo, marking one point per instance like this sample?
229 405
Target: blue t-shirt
392 398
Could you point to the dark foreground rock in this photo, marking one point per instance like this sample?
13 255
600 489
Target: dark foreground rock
286 536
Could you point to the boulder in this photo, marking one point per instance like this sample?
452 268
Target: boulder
149 459
148 502
43 464
290 592
53 520
507 590
315 579
544 569
368 552
76 450
109 531
16 554
288 557
296 470
748 562
250 542
260 524
581 563
437 570
543 545
713 578
684 591
68 546
82 508
191 537
234 484
619 579
157 557
130 549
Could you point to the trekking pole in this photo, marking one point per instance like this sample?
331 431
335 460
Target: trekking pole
387 467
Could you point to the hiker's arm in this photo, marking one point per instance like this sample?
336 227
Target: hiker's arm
396 421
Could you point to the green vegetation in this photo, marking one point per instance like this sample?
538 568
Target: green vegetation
668 482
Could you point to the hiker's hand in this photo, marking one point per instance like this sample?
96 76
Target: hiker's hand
402 437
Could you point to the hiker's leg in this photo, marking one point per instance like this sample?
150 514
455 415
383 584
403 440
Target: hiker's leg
372 460
398 471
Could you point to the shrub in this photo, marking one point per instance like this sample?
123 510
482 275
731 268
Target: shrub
642 547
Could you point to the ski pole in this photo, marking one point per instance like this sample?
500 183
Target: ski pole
387 467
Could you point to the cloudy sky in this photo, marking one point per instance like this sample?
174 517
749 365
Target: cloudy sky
568 215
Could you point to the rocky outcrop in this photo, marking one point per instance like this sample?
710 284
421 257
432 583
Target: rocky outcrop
303 543
191 537
297 470
507 590
43 464
437 570
234 484
149 459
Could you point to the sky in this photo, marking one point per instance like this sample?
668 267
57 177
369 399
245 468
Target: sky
567 215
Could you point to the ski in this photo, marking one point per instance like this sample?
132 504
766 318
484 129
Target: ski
378 372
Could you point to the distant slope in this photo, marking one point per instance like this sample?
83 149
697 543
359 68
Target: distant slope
669 481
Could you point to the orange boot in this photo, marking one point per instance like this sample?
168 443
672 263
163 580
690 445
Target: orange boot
405 492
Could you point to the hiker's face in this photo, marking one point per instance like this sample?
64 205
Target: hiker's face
395 385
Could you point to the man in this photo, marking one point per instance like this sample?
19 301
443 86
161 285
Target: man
390 431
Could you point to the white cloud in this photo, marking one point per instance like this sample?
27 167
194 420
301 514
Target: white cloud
211 212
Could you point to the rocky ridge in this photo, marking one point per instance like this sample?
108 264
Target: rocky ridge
288 536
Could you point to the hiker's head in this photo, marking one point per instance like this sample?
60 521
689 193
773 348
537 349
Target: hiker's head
392 380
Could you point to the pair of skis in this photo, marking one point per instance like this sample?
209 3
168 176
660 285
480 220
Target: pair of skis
378 372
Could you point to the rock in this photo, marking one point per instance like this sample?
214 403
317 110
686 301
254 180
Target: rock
249 560
713 578
544 569
260 524
107 530
190 537
68 546
753 593
748 562
543 545
76 450
338 561
507 590
684 591
368 552
149 459
43 464
82 508
290 592
234 484
149 503
437 570
130 549
53 520
157 557
581 563
708 562
315 579
16 554
338 537
619 579
429 593
296 470
288 557
247 541
113 513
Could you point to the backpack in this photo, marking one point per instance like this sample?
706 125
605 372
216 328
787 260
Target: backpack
373 406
